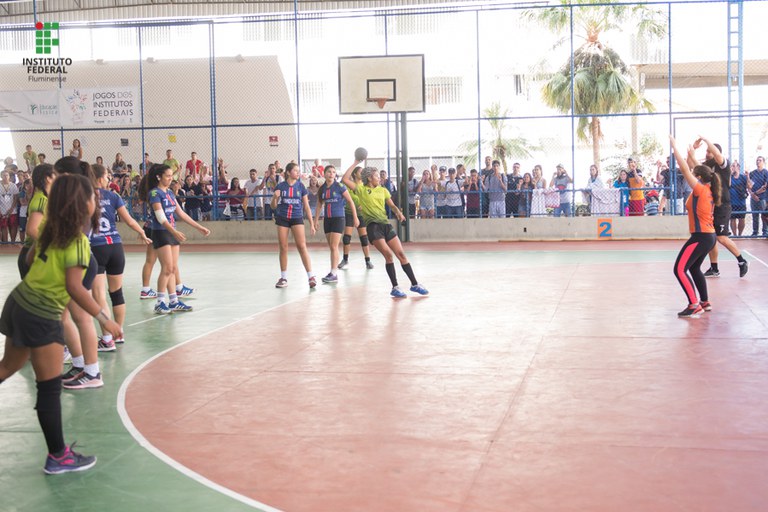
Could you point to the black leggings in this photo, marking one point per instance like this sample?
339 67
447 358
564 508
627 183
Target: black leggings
689 261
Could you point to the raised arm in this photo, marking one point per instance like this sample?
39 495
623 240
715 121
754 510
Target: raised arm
683 162
347 178
719 158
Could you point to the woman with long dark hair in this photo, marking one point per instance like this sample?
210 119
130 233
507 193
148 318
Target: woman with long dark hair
154 187
701 210
31 317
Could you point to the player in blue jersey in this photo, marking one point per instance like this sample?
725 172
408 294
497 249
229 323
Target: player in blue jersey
107 247
165 237
331 199
290 203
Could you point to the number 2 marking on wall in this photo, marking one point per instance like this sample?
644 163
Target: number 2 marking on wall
604 228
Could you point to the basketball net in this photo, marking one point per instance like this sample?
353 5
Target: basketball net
379 101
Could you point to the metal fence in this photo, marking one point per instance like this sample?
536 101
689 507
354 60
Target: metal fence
248 91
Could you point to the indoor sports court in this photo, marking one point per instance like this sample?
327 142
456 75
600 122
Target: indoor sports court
535 376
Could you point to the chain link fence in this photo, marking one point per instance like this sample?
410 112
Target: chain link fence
500 81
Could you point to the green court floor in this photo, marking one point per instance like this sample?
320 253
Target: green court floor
229 287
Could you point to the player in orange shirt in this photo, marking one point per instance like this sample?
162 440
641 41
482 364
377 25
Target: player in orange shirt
700 206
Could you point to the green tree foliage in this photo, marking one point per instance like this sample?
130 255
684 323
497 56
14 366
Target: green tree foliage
499 145
602 81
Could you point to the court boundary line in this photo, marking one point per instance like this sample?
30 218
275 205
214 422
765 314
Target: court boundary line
756 258
162 456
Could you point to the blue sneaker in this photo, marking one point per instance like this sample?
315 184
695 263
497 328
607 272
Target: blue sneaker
397 293
151 294
417 288
185 291
330 278
68 462
161 308
179 307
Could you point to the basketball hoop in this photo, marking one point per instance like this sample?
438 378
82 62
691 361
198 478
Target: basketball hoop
379 101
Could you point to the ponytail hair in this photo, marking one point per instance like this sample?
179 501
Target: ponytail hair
39 174
98 171
151 179
69 198
72 165
707 176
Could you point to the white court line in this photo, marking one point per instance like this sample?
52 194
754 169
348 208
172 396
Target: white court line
144 443
756 258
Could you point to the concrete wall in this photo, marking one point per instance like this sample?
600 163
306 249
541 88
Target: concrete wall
467 230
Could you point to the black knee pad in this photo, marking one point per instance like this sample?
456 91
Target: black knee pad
117 297
364 240
346 239
48 393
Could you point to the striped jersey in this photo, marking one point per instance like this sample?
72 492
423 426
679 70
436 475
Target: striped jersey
333 199
109 202
291 205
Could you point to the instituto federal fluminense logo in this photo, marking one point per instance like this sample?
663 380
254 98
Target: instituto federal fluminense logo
46 37
46 69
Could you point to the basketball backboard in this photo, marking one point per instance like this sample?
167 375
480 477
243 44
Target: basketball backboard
381 83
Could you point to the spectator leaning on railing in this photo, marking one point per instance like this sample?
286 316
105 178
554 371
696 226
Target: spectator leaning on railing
454 201
560 181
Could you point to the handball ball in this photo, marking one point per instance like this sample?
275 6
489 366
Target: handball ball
361 154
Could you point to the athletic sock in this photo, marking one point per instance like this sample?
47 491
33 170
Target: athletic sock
391 273
145 288
345 257
333 271
283 275
367 259
409 272
106 338
48 408
714 267
179 287
160 297
741 259
173 298
92 369
78 362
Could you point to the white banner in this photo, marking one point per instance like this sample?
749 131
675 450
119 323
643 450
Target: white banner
29 109
70 108
99 106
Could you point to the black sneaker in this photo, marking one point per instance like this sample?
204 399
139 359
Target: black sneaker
743 268
692 311
712 273
68 462
73 374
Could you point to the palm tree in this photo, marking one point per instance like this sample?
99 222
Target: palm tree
500 146
595 75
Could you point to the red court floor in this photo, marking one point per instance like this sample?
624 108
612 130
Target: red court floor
535 377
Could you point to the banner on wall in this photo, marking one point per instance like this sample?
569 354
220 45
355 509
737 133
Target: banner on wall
70 108
29 109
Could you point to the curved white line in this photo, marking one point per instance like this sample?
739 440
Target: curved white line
144 443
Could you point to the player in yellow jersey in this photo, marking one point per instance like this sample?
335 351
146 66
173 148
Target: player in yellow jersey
31 316
372 200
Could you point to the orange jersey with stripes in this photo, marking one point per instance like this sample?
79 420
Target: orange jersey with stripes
701 210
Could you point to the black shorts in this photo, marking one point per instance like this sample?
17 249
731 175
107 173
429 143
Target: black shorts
377 231
722 218
110 257
147 231
90 273
161 238
287 223
349 221
27 329
333 225
741 215
22 262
